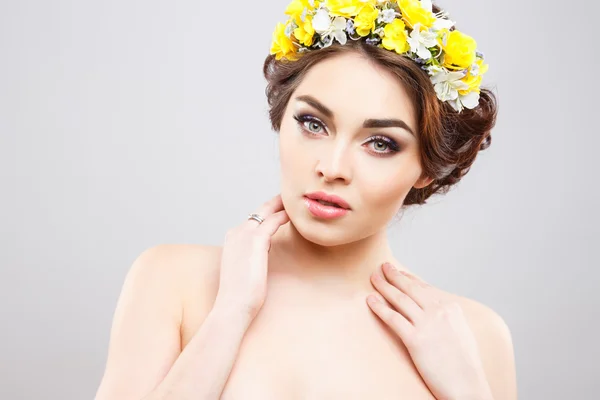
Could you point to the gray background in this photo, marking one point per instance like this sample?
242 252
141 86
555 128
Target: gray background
127 124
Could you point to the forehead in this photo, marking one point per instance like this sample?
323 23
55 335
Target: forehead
356 88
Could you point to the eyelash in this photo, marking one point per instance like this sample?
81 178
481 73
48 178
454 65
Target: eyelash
301 119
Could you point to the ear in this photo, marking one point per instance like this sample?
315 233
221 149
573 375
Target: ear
422 182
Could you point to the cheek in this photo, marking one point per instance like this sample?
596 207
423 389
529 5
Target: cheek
293 153
294 162
385 190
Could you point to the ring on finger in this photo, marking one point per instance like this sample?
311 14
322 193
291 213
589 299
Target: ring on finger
256 217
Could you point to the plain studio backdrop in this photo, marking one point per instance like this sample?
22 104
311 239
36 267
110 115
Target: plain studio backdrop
128 124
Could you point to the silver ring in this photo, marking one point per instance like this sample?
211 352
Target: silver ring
256 217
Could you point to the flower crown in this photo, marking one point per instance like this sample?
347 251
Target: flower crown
408 27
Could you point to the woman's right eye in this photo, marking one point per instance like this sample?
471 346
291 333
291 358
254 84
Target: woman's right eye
309 123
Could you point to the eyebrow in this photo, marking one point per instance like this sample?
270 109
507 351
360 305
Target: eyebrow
369 123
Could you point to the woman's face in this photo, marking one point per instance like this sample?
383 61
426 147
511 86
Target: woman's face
346 131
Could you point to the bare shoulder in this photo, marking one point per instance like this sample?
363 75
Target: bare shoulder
185 258
495 343
180 267
193 270
145 337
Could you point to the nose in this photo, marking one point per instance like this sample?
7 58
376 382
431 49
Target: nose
334 163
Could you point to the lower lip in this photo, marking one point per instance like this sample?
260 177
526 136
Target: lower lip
322 211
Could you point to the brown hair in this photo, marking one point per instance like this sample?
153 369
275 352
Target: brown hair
449 141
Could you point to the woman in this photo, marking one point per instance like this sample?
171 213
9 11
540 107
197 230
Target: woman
378 107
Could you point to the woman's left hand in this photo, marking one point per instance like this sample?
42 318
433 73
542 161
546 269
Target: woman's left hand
435 333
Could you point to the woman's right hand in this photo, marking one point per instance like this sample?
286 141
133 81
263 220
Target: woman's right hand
244 260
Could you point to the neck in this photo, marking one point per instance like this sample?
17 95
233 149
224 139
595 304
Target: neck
346 266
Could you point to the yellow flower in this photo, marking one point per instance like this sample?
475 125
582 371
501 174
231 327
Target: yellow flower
365 20
460 51
414 13
305 31
394 37
282 46
346 8
474 81
296 7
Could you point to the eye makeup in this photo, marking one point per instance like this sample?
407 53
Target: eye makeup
305 120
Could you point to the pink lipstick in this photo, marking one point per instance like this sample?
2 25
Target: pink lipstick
323 205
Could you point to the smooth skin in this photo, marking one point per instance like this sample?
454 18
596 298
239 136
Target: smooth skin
281 310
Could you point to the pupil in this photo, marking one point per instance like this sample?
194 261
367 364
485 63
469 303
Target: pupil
314 125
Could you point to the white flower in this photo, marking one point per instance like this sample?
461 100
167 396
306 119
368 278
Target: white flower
338 26
448 83
447 87
469 100
420 41
386 16
327 28
474 69
321 21
442 23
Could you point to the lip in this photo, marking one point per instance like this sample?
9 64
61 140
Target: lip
322 211
331 198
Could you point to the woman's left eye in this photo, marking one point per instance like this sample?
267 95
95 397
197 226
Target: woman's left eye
384 145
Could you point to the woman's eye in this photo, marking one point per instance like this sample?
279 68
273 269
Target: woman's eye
310 124
380 145
313 126
383 145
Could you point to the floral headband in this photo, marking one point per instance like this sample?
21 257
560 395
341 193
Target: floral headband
408 27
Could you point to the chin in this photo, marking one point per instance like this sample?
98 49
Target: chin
314 232
322 232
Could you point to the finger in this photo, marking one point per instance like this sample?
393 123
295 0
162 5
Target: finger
273 222
398 300
416 289
396 321
382 299
267 209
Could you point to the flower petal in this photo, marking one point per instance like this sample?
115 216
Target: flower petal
321 21
442 23
339 23
470 100
424 52
340 36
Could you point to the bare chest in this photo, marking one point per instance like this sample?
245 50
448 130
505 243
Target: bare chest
301 349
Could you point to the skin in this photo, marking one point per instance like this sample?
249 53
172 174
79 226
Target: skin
316 335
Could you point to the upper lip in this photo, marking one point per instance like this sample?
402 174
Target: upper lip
331 198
